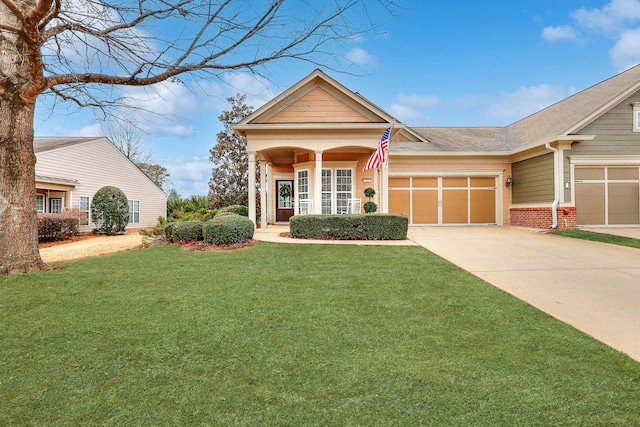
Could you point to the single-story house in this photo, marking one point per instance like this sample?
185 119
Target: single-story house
69 171
575 163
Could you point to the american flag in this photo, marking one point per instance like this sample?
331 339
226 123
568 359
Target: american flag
377 158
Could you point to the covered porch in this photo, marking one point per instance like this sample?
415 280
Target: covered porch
297 180
54 195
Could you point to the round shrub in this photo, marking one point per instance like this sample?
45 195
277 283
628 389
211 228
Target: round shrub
227 229
110 210
239 209
370 207
186 231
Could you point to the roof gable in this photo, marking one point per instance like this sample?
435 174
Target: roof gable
319 105
318 98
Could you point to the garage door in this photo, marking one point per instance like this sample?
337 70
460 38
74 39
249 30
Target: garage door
444 200
607 195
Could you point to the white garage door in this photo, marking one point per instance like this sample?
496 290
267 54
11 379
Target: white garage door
466 200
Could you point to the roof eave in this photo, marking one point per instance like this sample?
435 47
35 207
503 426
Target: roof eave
559 138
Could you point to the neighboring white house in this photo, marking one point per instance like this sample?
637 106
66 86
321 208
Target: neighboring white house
69 171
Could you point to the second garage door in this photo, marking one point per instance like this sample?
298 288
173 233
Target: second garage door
607 195
465 200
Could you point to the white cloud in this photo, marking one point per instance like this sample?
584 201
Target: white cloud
626 52
611 18
160 109
467 101
419 101
189 175
360 57
408 107
90 130
618 20
527 100
563 32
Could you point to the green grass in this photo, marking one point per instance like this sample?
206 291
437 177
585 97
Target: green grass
600 237
294 335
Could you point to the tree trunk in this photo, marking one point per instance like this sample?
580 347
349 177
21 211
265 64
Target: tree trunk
18 219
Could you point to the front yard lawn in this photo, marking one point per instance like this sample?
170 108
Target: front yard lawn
294 335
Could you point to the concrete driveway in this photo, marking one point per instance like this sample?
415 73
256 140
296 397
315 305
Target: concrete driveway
592 286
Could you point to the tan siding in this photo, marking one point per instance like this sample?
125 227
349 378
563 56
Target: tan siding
533 180
98 163
318 106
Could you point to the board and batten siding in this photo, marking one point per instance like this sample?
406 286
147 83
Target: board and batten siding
97 163
533 180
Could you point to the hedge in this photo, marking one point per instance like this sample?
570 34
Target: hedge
239 209
186 231
350 227
227 228
57 226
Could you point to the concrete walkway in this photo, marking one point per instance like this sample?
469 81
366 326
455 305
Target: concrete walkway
594 287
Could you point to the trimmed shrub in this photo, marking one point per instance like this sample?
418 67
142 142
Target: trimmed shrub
186 231
350 227
239 209
57 226
370 207
227 228
110 210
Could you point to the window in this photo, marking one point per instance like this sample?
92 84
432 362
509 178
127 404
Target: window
40 203
344 189
134 211
326 191
84 208
55 205
636 117
337 189
303 185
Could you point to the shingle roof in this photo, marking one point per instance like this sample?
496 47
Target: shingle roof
556 120
560 118
445 139
41 144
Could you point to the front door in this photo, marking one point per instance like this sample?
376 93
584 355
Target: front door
284 202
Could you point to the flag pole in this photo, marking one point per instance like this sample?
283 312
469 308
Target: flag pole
384 179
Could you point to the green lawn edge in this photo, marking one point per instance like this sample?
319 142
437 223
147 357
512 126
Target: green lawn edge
599 237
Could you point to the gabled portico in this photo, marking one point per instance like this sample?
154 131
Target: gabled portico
312 143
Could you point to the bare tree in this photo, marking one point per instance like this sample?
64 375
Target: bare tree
76 50
128 139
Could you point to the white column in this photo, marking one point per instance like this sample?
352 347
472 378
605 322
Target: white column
252 186
317 185
263 193
384 188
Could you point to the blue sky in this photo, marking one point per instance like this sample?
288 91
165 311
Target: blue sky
435 63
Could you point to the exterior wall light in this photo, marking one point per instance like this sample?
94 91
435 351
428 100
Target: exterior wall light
508 182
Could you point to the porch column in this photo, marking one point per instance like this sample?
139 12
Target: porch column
263 193
384 187
252 186
317 185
